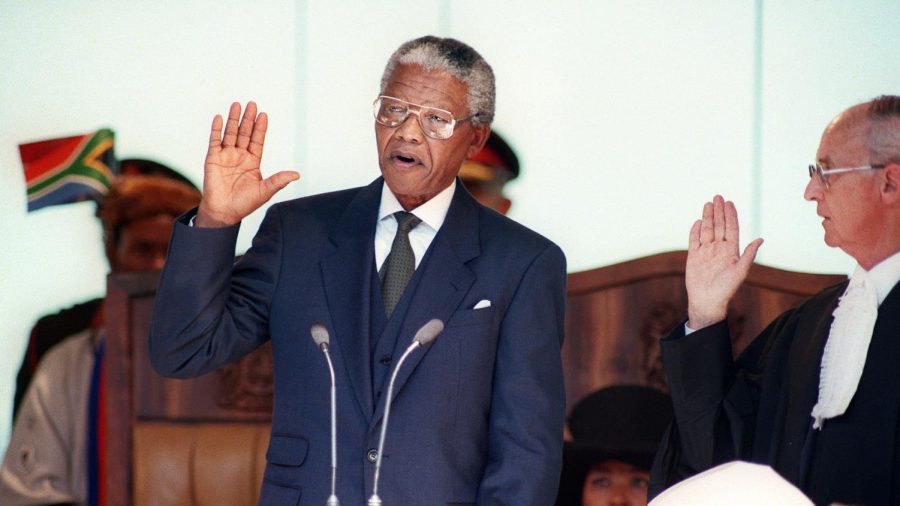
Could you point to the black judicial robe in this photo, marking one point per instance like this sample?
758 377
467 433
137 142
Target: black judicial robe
758 407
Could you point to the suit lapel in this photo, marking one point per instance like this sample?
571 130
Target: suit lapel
445 281
346 274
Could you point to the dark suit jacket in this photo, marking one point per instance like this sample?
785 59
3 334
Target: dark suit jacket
758 407
477 416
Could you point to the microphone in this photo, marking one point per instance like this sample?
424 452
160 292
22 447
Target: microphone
321 338
423 337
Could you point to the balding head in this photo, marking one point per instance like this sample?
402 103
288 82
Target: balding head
860 205
875 125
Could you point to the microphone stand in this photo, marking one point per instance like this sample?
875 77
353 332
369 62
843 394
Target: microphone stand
332 499
321 338
423 337
375 500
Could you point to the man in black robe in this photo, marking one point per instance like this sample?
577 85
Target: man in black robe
817 394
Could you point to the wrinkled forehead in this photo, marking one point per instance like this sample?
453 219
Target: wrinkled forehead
434 87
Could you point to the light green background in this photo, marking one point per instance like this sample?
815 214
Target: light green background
627 116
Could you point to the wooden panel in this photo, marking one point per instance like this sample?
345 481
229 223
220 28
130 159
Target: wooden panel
236 392
239 392
124 292
616 315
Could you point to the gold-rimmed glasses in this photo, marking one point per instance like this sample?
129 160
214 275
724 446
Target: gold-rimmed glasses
436 123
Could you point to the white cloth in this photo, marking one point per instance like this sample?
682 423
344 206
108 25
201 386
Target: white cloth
432 214
735 484
46 460
885 275
848 340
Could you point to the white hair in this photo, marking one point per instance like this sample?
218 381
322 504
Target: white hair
883 137
457 59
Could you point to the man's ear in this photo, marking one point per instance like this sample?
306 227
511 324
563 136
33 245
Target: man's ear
482 132
890 184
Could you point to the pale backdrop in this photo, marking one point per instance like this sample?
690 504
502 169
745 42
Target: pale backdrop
626 115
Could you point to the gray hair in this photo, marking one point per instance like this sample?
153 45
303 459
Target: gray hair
883 137
460 61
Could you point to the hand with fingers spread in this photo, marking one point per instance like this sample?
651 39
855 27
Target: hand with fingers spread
715 267
233 186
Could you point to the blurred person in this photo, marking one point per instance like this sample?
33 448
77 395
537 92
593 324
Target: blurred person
52 457
616 431
477 415
817 395
143 248
486 173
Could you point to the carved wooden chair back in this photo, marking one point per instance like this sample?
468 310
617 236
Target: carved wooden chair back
615 316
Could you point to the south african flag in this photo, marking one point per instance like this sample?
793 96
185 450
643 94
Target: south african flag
71 169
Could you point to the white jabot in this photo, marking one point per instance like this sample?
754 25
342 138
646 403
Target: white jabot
848 340
432 214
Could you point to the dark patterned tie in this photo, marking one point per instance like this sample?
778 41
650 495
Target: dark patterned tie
400 264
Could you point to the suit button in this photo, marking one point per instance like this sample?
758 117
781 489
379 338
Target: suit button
372 455
385 360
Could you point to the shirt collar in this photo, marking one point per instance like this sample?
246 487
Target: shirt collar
884 275
432 213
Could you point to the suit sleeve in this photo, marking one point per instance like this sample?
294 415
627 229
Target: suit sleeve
528 396
715 400
208 310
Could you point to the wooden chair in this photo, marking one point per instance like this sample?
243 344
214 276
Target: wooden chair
179 442
616 314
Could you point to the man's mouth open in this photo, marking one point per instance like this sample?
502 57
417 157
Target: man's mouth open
405 159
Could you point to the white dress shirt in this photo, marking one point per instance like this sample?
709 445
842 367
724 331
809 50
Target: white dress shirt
884 276
432 214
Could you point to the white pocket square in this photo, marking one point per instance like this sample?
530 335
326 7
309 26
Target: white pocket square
483 303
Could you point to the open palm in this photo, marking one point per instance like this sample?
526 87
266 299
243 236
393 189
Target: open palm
715 267
233 186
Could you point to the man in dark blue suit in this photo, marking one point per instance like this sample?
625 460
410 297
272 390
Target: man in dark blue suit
476 417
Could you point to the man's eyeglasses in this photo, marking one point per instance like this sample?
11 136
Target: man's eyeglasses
822 173
436 123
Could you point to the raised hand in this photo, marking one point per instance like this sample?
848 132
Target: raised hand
715 268
233 186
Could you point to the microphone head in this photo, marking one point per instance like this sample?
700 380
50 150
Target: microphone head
429 332
319 334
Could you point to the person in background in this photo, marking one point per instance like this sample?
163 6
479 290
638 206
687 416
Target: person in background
816 396
132 254
53 457
486 173
615 432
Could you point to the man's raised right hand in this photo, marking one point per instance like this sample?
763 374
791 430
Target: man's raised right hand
233 186
715 266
